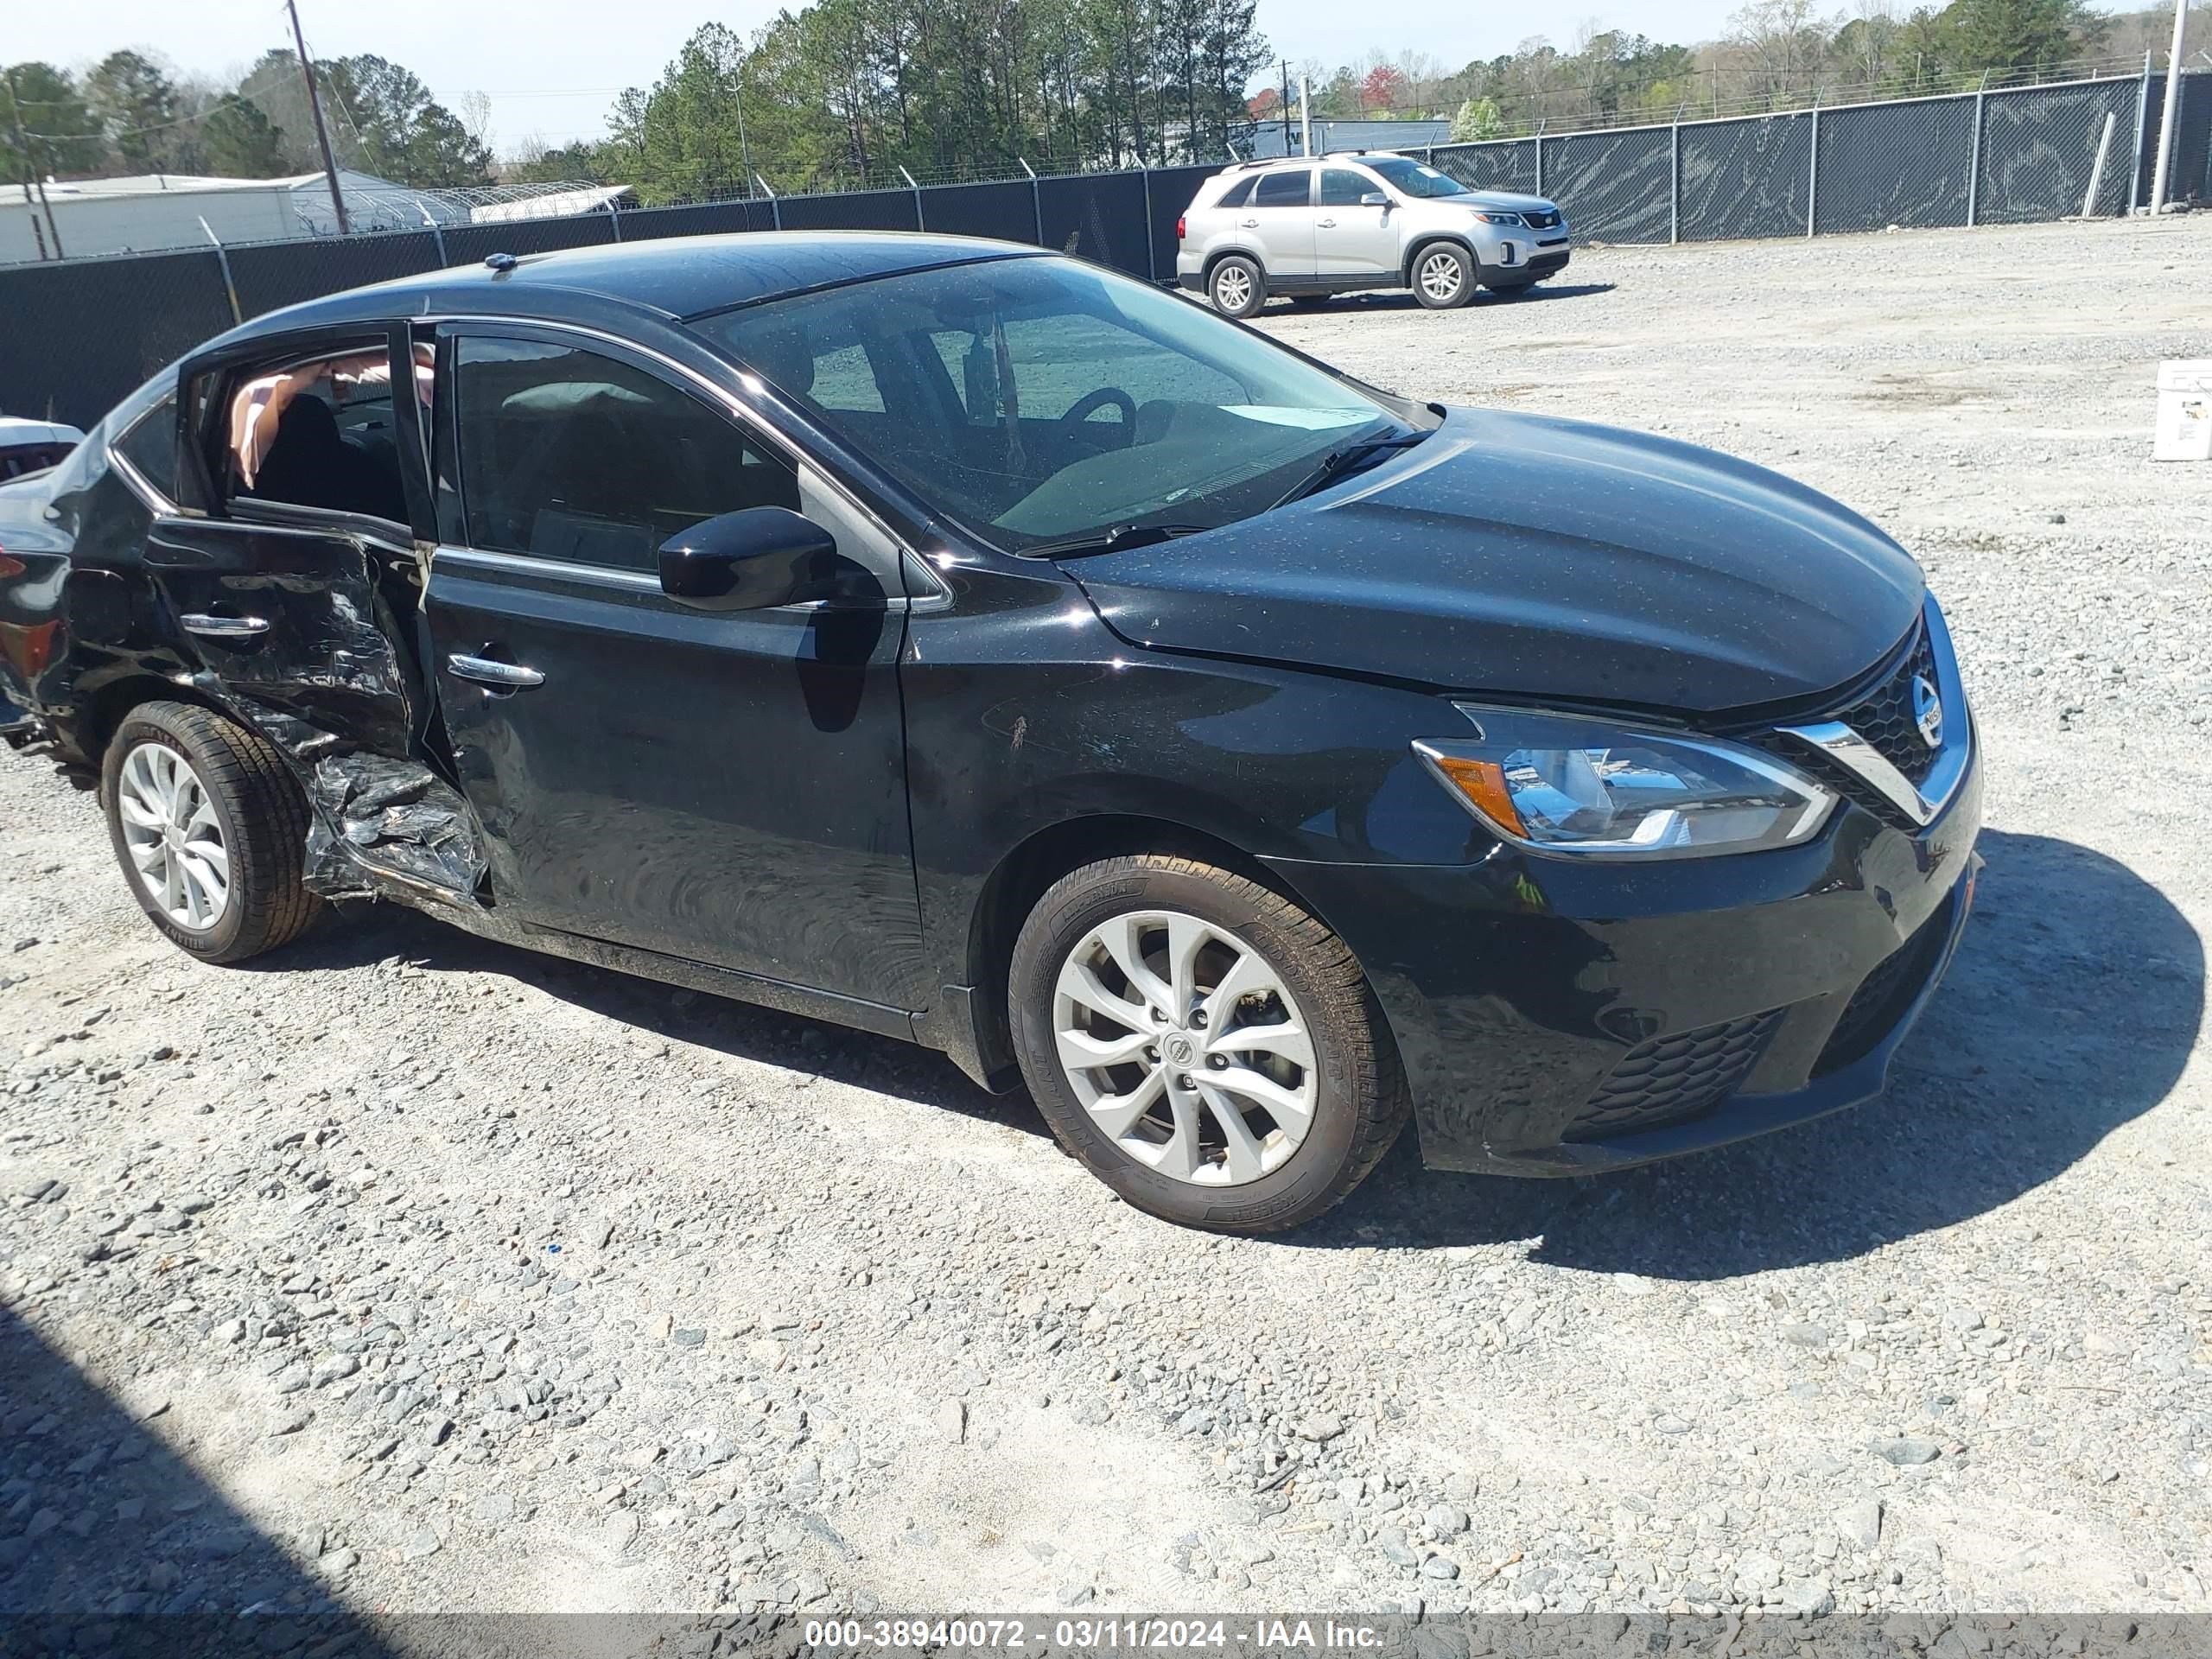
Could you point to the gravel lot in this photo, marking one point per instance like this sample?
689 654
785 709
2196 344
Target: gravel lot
427 1273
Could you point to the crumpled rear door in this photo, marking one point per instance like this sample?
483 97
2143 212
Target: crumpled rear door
295 620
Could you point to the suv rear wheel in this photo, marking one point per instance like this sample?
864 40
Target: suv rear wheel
211 831
1237 287
1444 277
1205 1046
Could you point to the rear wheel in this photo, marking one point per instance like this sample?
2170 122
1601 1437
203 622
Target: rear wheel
1444 277
1237 287
1207 1048
211 831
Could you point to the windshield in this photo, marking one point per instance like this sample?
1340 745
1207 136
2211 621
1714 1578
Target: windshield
1041 400
1410 176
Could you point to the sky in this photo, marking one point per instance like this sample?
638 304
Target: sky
552 67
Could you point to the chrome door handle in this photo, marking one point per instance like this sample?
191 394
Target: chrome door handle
224 627
509 677
1324 223
1250 223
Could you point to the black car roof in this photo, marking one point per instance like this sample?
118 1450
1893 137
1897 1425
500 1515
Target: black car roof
678 278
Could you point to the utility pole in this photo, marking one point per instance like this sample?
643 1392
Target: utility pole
2169 118
31 172
321 132
1286 107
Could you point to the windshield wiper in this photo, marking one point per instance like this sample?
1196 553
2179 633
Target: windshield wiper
1338 462
1113 540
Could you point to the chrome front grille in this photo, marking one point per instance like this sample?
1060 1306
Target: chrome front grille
1887 716
1900 749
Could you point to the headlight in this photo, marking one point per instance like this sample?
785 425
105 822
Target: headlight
1490 218
1562 784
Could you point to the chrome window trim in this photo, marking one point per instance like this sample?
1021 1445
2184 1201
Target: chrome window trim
747 417
1925 803
487 561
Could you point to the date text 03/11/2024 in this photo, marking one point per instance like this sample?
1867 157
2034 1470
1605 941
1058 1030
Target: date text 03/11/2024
1262 1635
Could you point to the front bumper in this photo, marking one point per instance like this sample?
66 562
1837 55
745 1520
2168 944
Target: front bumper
1562 1017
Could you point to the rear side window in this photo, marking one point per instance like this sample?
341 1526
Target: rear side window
31 457
150 445
567 454
1285 189
1236 195
1342 188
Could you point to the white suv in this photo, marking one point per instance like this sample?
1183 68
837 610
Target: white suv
1309 229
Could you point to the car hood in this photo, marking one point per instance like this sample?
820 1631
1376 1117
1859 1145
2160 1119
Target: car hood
1534 558
1505 201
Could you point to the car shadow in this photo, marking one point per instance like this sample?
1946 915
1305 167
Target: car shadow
1347 304
121 1546
2070 1009
1973 1116
367 933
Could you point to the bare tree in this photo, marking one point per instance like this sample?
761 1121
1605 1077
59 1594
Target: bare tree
1783 42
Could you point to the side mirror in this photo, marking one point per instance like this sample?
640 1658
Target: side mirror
1375 199
749 560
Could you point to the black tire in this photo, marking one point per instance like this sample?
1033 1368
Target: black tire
1430 288
1361 1102
261 816
1242 277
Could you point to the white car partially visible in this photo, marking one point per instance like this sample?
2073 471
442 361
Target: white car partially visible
33 445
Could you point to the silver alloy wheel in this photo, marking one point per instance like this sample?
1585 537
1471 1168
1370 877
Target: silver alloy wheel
1232 287
175 842
1441 275
1187 1049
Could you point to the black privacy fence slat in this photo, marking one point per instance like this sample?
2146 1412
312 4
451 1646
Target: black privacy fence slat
1746 178
1005 211
1500 164
80 336
698 219
1905 164
469 245
77 336
2039 147
861 210
1099 216
1612 186
270 275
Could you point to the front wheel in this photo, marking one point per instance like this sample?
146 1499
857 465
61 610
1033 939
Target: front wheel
1444 277
211 831
1237 287
1209 1049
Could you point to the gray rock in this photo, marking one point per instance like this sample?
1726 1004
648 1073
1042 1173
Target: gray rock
1808 1597
1860 1526
1806 1336
1446 1520
1906 1452
420 1545
1757 1572
1319 1427
951 1421
1440 1566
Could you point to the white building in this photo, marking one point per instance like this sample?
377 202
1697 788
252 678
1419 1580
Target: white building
157 210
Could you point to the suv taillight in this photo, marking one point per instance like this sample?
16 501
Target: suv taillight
1179 227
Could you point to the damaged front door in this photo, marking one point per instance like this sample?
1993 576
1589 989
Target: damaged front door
293 588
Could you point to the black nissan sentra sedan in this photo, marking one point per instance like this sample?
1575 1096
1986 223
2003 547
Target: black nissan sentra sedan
968 644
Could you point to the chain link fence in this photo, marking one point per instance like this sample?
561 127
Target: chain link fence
83 332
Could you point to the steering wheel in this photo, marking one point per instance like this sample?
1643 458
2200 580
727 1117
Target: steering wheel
1090 403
